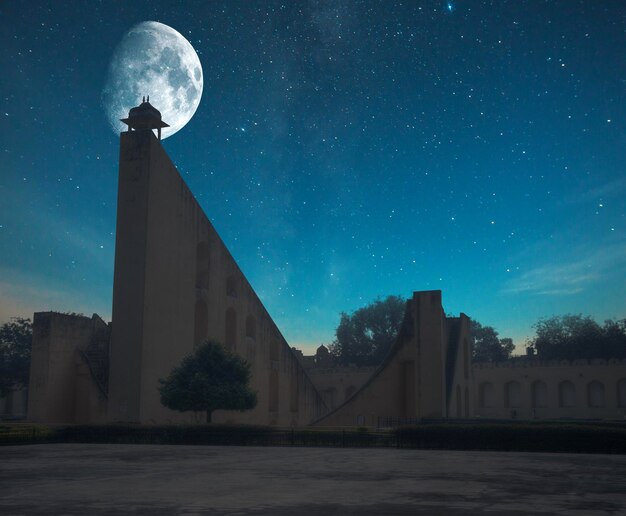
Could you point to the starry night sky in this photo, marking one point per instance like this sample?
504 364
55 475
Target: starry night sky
343 150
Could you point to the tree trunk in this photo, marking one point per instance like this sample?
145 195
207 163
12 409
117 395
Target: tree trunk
208 416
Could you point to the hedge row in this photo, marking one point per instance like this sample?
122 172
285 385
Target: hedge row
226 435
535 437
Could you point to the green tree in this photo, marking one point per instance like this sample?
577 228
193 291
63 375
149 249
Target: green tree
488 347
571 337
209 379
364 337
16 337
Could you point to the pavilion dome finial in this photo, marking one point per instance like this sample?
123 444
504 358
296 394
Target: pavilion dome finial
145 117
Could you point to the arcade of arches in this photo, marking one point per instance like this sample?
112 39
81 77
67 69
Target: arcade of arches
580 389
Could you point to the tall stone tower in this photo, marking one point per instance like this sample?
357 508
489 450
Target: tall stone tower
176 285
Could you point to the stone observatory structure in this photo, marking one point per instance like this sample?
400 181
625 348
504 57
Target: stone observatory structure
177 285
425 375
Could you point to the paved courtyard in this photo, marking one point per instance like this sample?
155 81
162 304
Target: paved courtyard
78 479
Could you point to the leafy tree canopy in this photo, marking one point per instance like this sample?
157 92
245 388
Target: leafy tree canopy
209 379
16 337
488 347
571 337
364 337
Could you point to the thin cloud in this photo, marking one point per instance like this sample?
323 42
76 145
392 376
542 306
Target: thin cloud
569 278
561 291
598 192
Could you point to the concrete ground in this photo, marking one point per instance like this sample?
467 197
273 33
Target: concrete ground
80 479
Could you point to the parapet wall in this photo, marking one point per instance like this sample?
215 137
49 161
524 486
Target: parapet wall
563 389
337 384
532 363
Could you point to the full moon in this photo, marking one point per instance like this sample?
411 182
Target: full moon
153 60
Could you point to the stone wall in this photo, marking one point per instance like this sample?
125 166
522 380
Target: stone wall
14 406
63 384
338 384
529 389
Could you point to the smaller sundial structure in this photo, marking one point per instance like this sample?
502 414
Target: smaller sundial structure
145 116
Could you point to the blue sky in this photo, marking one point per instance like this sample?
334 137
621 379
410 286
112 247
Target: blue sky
343 151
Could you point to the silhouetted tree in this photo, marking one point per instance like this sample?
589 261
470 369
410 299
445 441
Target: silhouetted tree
209 379
574 337
364 337
16 339
488 347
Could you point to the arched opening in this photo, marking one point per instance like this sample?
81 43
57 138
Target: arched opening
251 327
8 404
467 408
595 394
231 286
466 358
294 398
540 394
407 387
251 353
621 393
202 265
274 351
486 395
349 391
567 394
201 322
329 396
273 392
459 402
230 339
512 395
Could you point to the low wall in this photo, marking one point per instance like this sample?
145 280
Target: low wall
68 369
13 406
337 384
578 389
